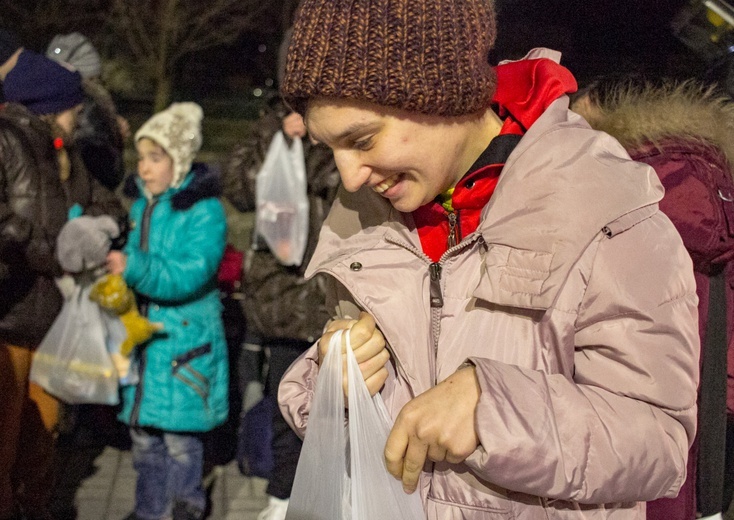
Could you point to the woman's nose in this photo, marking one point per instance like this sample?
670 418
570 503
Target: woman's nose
353 173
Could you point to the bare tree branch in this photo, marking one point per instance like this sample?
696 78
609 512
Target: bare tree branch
37 21
160 33
156 34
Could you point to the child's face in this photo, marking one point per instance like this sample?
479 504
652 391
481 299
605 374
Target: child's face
155 166
408 158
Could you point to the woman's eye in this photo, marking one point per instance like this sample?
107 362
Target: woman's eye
363 144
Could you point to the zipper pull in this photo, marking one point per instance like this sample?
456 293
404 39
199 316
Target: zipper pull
452 238
436 296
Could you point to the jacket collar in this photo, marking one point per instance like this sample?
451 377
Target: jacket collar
592 184
201 183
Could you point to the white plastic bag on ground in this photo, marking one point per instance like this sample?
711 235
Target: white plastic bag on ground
73 362
341 473
281 216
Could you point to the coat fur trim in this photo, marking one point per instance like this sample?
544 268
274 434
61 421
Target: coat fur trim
690 111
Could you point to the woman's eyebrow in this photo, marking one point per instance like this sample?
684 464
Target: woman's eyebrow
355 128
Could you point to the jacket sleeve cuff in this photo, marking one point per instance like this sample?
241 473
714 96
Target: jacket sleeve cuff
296 389
135 268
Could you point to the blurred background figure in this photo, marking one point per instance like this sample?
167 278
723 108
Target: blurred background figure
102 132
685 131
283 310
43 183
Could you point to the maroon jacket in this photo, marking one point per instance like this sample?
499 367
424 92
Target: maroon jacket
685 134
704 216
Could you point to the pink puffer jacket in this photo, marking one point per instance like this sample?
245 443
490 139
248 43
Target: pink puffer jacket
576 301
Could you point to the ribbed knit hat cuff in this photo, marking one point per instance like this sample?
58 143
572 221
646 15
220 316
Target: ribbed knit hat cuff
427 56
63 102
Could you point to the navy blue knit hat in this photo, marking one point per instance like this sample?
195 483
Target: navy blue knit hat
42 85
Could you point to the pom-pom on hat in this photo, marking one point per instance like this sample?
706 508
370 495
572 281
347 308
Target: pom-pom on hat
177 130
42 85
428 56
76 50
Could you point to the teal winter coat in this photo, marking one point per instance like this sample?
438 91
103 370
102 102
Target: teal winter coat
173 252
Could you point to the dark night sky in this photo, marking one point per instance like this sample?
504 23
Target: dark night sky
596 36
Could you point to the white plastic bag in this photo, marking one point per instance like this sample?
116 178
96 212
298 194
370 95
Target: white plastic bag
281 216
341 474
73 361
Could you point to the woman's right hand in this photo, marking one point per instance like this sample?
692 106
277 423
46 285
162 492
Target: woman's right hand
369 348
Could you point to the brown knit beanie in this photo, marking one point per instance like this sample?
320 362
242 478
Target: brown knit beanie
427 56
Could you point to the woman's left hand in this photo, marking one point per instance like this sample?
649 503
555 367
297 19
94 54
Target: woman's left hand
437 425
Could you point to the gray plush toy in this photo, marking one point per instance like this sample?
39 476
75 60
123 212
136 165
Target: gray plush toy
83 243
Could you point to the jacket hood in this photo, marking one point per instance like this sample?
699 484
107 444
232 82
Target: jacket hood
690 111
201 183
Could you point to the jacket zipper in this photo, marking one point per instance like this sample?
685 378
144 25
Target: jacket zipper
436 293
454 230
145 225
434 271
436 304
144 238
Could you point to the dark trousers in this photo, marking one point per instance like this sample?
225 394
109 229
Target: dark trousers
286 444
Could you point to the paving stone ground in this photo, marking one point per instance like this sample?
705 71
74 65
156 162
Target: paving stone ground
98 483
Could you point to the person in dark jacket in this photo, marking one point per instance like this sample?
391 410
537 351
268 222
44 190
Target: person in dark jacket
101 133
284 309
685 131
42 183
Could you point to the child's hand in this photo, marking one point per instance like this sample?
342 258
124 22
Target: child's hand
369 348
116 262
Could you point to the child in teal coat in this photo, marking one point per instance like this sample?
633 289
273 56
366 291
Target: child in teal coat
171 259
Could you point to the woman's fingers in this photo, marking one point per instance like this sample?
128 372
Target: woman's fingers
376 381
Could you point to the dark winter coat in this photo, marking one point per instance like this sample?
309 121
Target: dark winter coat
98 137
279 302
34 204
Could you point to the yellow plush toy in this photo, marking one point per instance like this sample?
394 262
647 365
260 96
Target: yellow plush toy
112 293
81 248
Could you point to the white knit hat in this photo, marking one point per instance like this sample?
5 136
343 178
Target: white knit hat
76 50
177 130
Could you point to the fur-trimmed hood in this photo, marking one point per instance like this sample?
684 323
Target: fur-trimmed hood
686 111
205 183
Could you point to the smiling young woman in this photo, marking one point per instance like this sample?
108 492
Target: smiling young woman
542 353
